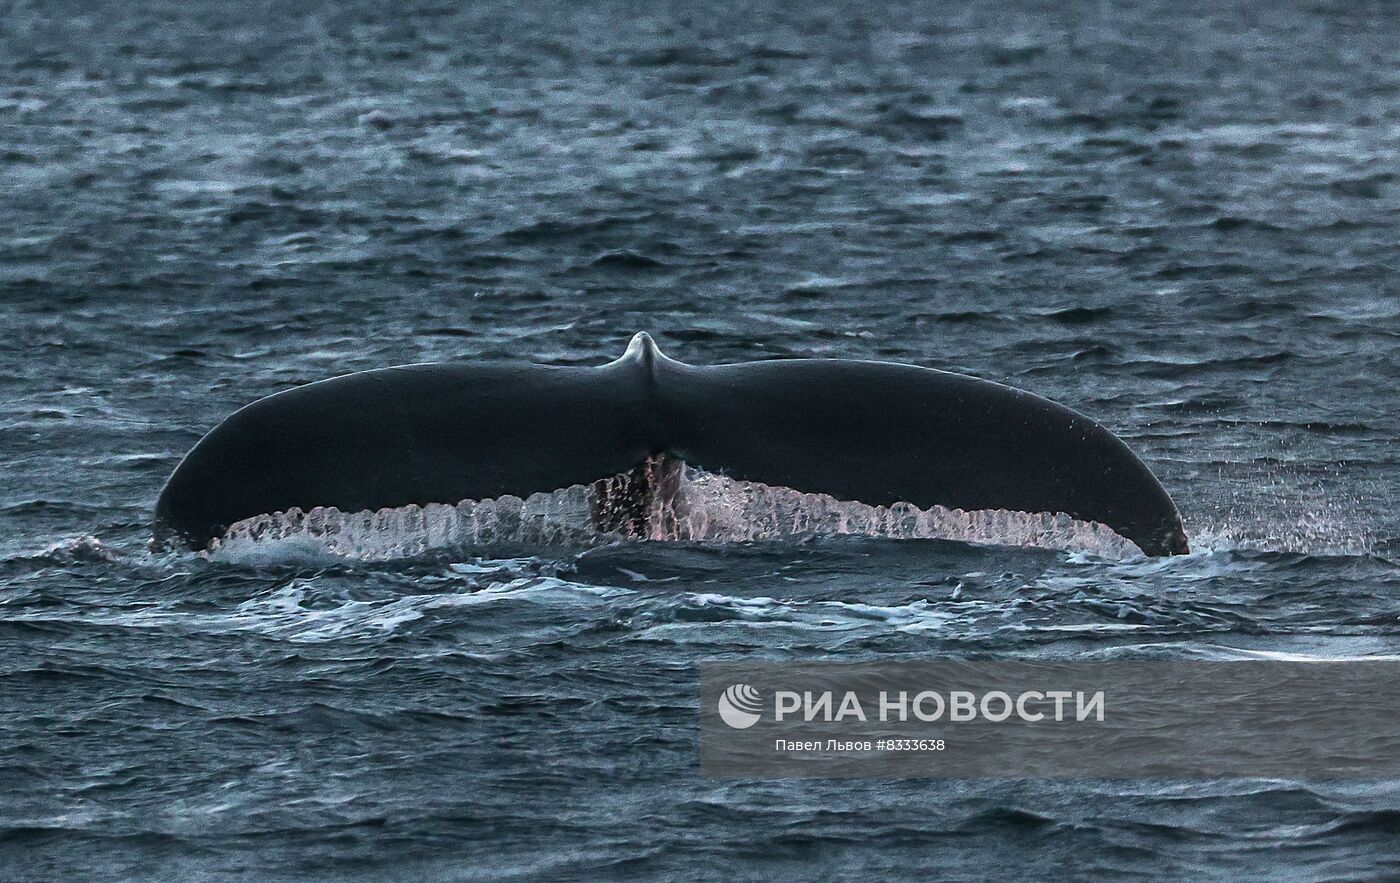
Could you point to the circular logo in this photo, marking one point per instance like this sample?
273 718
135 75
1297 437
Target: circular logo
740 706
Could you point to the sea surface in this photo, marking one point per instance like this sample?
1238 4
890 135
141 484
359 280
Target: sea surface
1180 218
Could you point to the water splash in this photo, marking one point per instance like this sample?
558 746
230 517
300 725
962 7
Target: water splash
1284 508
665 500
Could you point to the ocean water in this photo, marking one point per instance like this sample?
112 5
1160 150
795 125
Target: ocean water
1179 218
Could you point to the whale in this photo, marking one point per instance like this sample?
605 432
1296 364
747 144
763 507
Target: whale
877 433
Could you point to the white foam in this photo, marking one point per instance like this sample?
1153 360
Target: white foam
692 506
288 613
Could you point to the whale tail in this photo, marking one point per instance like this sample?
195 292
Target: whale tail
868 432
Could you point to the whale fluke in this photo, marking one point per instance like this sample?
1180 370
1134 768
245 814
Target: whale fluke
871 432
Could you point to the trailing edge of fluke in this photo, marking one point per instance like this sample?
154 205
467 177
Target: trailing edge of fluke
872 432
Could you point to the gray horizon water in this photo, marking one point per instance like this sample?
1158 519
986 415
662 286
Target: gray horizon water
1179 219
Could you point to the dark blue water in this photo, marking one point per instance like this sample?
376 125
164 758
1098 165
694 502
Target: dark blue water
1179 218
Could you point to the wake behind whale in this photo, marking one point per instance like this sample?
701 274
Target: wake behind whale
401 460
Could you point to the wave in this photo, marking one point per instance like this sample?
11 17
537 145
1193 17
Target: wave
302 612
